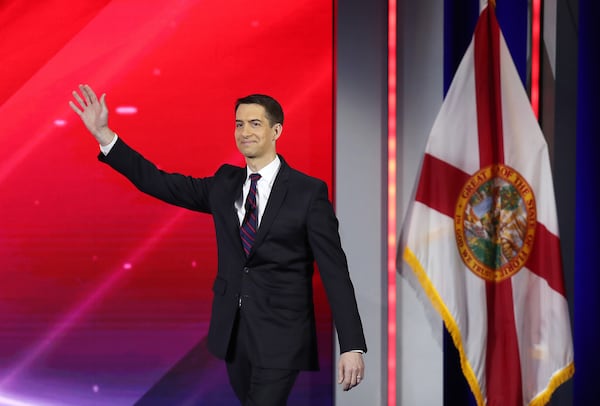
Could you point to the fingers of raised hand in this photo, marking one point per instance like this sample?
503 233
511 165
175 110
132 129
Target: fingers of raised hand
80 101
86 100
88 94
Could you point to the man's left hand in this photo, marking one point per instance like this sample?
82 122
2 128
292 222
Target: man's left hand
351 370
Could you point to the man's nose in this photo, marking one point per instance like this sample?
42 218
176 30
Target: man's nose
246 130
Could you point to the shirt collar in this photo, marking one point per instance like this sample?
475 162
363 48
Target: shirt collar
267 173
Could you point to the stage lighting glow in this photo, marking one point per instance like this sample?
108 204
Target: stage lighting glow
8 401
126 110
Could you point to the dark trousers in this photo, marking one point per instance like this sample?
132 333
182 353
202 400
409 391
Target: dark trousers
253 385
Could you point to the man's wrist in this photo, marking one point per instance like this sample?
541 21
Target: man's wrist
105 149
105 136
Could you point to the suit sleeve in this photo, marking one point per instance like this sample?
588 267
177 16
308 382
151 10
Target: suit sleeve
325 243
184 191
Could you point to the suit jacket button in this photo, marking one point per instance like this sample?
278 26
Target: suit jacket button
246 269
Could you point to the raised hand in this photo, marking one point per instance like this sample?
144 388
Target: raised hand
93 113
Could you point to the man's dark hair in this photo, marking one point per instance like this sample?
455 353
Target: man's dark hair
273 109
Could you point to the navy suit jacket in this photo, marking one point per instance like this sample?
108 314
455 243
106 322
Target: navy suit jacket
274 282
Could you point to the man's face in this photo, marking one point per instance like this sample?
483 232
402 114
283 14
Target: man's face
254 136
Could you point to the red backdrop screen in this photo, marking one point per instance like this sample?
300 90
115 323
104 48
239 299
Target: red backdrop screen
104 292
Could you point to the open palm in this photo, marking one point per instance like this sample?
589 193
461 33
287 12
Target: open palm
93 113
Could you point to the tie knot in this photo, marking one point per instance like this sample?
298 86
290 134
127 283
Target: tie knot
254 177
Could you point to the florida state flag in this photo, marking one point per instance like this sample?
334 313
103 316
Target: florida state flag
482 234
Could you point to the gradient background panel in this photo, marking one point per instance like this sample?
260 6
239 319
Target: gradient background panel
105 292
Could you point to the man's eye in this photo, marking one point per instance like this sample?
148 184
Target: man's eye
238 125
256 124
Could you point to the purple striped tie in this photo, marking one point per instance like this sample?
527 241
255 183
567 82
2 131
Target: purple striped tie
250 223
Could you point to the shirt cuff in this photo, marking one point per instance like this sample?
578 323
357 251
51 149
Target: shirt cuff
105 149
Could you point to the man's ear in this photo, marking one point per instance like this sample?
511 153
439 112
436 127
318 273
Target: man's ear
277 129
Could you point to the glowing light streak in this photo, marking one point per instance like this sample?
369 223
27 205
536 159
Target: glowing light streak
77 311
391 204
126 110
535 56
34 91
10 401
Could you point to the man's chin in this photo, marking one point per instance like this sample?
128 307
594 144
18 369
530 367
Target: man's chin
248 154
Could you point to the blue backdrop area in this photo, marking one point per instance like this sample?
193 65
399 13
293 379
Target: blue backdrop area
587 278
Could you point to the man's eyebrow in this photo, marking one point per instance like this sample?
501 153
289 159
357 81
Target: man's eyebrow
237 120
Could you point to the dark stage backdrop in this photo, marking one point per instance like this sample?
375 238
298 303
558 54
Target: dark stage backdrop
104 292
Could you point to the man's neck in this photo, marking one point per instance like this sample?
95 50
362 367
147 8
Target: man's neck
256 164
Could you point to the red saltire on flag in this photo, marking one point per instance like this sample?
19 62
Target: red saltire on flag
481 236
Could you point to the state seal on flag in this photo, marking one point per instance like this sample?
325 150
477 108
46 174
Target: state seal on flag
495 221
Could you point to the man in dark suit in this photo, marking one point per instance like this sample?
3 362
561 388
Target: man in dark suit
272 223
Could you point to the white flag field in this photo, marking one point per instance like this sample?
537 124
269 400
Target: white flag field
481 237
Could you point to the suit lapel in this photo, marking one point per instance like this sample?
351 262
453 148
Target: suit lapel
231 194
